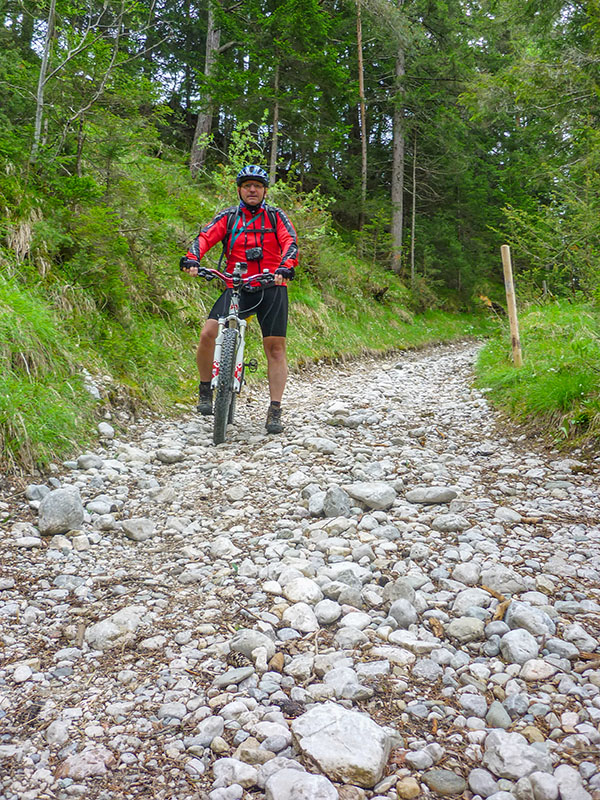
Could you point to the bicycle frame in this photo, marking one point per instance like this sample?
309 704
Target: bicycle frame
228 359
232 320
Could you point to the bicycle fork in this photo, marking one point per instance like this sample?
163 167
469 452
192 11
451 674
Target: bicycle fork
238 371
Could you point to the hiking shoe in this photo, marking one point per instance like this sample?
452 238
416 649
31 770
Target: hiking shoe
205 401
273 423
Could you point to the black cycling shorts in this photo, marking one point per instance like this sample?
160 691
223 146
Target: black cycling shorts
270 306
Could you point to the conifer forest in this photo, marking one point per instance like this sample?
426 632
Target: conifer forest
436 130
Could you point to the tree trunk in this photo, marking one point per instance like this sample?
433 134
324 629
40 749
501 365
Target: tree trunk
398 165
273 160
39 98
414 211
363 119
204 122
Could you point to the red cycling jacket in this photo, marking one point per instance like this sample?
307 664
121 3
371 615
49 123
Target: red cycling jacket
251 228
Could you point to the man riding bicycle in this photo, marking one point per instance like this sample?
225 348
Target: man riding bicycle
263 237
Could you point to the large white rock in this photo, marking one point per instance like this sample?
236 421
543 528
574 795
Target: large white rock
93 760
265 771
449 523
246 640
544 786
398 656
327 611
289 784
470 598
229 770
301 618
465 629
375 494
518 646
504 514
207 729
508 755
60 511
536 669
302 590
138 529
130 454
569 783
300 667
89 461
503 580
532 619
223 547
346 745
577 634
430 495
118 629
321 444
336 503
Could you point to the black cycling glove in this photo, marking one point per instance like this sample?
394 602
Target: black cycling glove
287 274
185 262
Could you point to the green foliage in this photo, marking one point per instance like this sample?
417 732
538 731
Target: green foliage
361 309
44 408
558 244
540 92
558 387
374 242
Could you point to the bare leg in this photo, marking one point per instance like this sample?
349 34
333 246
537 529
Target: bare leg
276 365
206 349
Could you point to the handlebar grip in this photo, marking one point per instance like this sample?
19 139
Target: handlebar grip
264 280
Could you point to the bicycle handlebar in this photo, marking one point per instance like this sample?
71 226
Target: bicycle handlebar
264 279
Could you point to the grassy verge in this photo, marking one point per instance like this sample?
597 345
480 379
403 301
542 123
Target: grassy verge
44 407
558 387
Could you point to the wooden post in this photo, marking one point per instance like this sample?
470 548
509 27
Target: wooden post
511 305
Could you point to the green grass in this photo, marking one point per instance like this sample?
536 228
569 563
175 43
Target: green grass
558 387
44 408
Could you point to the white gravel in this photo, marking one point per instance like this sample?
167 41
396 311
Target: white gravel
399 597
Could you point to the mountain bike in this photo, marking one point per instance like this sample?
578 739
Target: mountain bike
228 362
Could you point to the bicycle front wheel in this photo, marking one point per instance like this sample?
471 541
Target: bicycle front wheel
224 393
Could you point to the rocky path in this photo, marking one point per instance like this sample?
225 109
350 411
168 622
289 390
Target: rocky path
394 599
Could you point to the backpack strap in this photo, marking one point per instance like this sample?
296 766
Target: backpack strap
272 215
233 215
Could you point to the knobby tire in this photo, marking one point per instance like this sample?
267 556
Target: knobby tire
234 397
231 415
224 396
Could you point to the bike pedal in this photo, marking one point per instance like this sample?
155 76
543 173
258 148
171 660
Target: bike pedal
251 365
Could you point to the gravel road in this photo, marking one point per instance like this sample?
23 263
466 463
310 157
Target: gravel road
399 597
